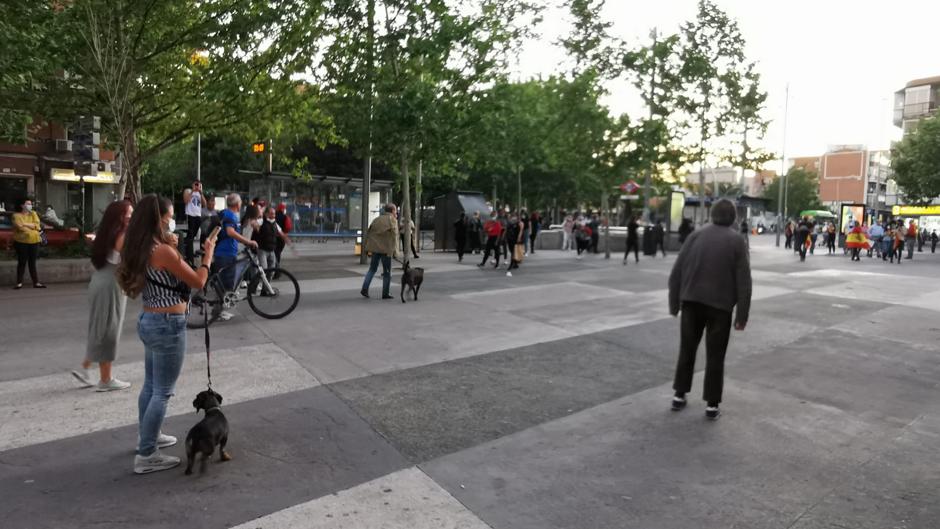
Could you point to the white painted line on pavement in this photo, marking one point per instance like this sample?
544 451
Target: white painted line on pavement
407 499
52 407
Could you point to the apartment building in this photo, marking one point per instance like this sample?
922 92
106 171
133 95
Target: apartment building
851 174
917 100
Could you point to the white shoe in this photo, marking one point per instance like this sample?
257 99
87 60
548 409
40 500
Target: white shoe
85 376
163 440
112 385
508 274
225 315
243 285
155 462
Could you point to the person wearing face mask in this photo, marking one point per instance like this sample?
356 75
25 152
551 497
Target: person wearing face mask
153 268
26 238
267 235
494 231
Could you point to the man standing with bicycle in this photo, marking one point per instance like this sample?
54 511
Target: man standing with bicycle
226 250
382 242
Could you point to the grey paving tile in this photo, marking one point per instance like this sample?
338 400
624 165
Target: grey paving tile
286 449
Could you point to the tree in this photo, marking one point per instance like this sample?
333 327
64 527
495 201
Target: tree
160 71
802 191
916 162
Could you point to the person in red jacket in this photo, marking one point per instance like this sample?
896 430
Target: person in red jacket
494 230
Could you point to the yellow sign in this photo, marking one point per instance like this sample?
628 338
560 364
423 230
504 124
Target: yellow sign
900 211
258 148
68 175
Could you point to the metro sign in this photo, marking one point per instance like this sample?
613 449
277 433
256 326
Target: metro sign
630 187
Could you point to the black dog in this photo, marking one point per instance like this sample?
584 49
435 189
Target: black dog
212 430
411 278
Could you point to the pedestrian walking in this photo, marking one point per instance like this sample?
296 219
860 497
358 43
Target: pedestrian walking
934 238
813 238
788 233
514 235
504 244
582 236
633 240
152 268
382 243
286 224
267 236
27 236
494 231
567 228
685 229
921 239
594 225
659 238
876 233
106 301
526 226
710 278
898 249
460 235
831 238
801 238
856 241
475 233
535 225
910 239
195 202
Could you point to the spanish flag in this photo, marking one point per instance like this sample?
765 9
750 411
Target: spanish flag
857 239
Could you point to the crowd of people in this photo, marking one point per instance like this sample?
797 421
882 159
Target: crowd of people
887 240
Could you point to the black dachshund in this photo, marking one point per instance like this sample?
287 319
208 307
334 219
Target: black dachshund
211 431
411 278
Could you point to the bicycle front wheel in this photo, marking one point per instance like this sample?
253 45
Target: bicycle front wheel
277 301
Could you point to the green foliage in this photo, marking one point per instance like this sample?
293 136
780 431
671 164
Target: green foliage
916 162
802 191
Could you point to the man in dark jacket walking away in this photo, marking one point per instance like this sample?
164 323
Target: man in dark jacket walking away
633 240
460 236
711 276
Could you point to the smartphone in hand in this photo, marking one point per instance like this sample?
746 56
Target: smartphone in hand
214 236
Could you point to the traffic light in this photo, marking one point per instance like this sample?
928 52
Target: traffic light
86 140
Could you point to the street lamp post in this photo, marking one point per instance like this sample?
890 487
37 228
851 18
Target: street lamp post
782 184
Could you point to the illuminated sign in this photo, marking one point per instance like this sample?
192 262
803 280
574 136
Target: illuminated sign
259 147
68 175
915 210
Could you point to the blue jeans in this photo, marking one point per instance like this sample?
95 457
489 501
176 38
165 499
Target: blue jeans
386 272
227 275
164 338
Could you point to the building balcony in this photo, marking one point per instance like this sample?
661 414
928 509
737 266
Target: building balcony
913 111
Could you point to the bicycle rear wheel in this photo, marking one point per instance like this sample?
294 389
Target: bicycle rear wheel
204 306
277 302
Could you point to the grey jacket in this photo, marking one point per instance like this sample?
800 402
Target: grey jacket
713 269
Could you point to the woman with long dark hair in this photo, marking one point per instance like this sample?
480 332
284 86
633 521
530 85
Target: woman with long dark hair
105 299
152 267
26 239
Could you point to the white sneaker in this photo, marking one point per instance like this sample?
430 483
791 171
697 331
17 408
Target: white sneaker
508 274
225 315
112 385
163 441
85 376
155 462
243 285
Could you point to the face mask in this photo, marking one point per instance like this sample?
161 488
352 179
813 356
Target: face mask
28 207
268 219
171 227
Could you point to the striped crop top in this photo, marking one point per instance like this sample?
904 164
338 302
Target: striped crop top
163 289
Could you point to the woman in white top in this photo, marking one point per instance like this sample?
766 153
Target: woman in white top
106 300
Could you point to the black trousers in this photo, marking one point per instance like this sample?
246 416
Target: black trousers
716 325
633 244
461 248
192 227
595 239
532 238
26 254
789 242
475 245
831 243
660 245
492 245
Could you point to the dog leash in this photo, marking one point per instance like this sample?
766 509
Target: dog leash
205 315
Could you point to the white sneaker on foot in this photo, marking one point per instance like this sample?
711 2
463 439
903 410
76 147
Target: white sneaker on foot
155 462
163 441
508 274
85 376
225 315
112 385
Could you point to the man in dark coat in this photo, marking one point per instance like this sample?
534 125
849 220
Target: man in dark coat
711 276
460 235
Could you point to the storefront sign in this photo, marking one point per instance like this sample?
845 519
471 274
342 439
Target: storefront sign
900 211
68 175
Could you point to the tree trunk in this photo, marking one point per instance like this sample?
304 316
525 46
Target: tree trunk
405 206
518 188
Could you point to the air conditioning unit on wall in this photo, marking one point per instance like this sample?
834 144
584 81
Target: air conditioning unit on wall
63 146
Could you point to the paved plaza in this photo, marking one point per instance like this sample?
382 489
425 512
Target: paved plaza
537 401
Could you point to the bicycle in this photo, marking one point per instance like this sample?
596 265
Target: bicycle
266 289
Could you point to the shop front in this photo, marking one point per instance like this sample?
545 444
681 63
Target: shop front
926 216
16 179
79 199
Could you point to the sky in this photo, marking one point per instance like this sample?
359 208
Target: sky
842 60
